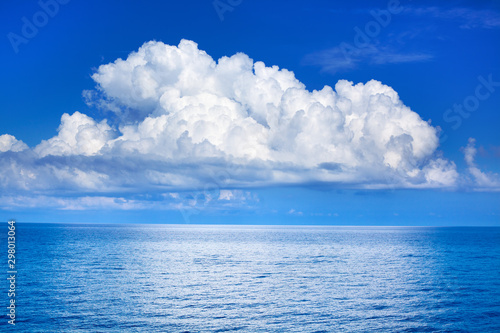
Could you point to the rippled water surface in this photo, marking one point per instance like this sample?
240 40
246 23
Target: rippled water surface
187 278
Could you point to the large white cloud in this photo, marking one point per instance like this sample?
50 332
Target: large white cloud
183 119
186 105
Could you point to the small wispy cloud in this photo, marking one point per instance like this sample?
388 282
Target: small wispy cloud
295 212
390 45
483 181
466 18
345 57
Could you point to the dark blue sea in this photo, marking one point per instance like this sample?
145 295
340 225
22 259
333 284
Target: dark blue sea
205 278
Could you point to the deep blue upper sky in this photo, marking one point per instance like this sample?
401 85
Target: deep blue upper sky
431 54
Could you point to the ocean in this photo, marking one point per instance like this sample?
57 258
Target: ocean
220 278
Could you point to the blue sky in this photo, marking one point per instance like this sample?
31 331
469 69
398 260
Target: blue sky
200 140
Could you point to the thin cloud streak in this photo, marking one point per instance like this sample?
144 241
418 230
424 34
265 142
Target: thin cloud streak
338 59
466 18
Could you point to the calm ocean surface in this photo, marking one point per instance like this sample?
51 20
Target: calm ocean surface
192 278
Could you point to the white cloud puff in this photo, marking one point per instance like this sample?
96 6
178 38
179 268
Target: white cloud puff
481 179
185 104
10 143
78 135
184 118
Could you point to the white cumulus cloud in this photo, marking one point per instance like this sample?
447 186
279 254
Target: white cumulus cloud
78 135
10 143
183 119
177 102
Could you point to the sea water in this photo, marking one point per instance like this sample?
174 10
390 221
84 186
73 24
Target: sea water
206 278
